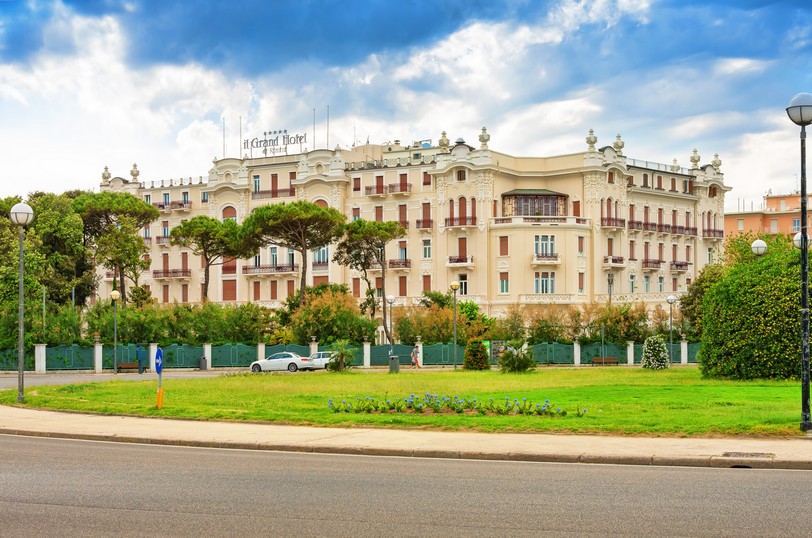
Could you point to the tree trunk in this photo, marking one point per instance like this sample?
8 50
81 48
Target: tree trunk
304 277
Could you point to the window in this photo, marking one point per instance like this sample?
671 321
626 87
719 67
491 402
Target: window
660 182
688 253
291 287
166 293
274 256
773 226
580 245
796 225
544 282
204 197
544 245
631 283
322 255
378 287
256 183
356 184
576 208
710 255
645 180
229 213
184 293
660 284
463 280
229 290
292 176
274 290
402 250
257 288
460 175
165 228
674 252
402 283
674 184
148 199
611 177
291 252
257 260
427 249
632 255
674 282
146 231
426 178
356 287
426 282
356 213
503 245
378 213
504 283
166 198
581 282
646 284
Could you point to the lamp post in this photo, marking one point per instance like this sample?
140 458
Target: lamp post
610 281
800 112
21 215
390 299
671 300
115 295
454 287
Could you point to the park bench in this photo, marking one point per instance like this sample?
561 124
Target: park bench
130 366
604 361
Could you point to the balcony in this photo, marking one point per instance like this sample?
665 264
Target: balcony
400 188
274 193
375 190
148 241
635 224
424 224
650 264
321 266
460 261
690 231
614 262
404 223
679 267
664 228
163 240
160 206
540 221
161 274
680 230
270 269
713 234
109 275
649 226
460 221
400 264
182 205
611 222
545 259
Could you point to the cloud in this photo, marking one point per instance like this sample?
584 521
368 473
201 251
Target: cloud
736 66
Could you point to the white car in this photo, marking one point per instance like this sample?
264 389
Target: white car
320 359
284 360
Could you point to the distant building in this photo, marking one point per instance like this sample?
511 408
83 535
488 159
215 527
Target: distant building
560 230
780 213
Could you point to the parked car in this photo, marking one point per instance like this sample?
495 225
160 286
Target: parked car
284 360
320 359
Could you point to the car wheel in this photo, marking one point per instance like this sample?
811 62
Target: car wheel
292 367
256 368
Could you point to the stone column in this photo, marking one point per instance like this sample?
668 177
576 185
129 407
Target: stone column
314 346
683 351
419 345
97 357
576 353
630 352
367 353
153 349
260 351
39 358
207 354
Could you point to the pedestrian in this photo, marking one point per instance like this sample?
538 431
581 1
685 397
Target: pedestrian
415 357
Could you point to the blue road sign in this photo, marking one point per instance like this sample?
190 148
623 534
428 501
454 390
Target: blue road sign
159 361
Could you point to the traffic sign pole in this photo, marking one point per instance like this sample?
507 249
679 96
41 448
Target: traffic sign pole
159 367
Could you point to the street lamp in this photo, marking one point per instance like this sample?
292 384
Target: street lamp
759 247
115 295
454 287
800 112
610 281
21 215
390 299
671 300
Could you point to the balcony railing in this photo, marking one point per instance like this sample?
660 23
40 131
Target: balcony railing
404 223
545 259
148 241
171 273
652 264
678 229
611 222
679 266
460 259
270 269
184 205
274 193
713 234
650 226
614 261
424 224
540 220
400 188
321 266
403 263
460 221
690 230
635 224
664 228
375 190
162 240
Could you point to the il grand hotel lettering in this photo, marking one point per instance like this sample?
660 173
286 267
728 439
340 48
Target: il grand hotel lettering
274 141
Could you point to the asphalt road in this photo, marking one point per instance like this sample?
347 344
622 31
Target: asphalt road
54 487
9 379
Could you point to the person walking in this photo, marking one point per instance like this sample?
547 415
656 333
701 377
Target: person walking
415 357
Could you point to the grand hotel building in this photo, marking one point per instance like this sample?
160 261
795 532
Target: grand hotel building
567 229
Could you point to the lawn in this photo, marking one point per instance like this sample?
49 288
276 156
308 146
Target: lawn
675 402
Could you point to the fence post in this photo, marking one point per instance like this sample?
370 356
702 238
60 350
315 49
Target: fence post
683 351
314 346
367 353
97 357
260 351
153 349
630 352
207 354
576 353
39 358
419 345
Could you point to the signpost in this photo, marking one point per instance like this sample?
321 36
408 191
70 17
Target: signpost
159 366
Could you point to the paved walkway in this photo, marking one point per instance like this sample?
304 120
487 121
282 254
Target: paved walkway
793 453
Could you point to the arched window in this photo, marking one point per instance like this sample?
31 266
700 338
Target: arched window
229 213
451 210
609 208
463 210
460 175
473 210
611 177
321 203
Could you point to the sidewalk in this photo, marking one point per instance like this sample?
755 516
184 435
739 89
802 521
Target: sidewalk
793 453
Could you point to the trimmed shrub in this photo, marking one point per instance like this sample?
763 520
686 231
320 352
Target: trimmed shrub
476 356
655 353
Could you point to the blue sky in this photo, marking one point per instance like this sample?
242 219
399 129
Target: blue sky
98 83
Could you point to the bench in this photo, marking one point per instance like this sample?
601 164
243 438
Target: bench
130 366
604 361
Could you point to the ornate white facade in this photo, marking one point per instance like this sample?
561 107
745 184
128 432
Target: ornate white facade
565 229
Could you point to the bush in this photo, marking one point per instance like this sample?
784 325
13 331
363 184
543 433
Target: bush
516 358
476 356
655 353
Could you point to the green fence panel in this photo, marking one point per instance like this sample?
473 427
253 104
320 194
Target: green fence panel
182 356
69 358
304 351
638 353
278 348
554 353
232 355
693 350
590 351
120 354
8 359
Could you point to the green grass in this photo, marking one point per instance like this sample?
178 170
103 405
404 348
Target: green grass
676 402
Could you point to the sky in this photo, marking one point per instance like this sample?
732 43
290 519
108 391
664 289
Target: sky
167 84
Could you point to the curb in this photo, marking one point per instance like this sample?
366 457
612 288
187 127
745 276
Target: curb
720 462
